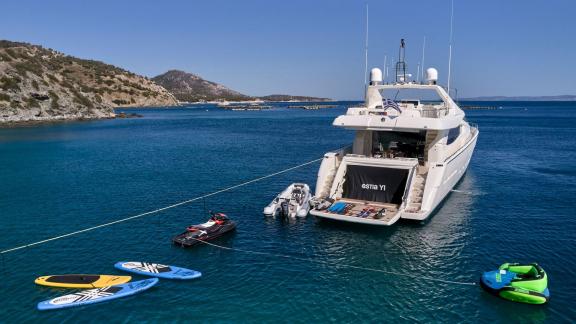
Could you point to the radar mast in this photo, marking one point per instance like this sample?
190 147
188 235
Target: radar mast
401 64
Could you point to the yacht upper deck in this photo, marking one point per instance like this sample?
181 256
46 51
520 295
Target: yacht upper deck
380 113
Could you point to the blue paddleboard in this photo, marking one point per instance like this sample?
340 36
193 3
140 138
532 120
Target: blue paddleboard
97 295
157 270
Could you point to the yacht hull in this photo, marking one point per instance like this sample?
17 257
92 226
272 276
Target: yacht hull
442 179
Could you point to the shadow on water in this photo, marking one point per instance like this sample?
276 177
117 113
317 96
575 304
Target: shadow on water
513 312
226 240
355 228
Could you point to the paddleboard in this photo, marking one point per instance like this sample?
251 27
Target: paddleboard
157 270
81 280
97 295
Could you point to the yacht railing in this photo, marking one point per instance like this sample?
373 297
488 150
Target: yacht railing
426 111
434 112
381 157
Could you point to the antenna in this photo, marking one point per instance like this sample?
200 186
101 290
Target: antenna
366 54
387 73
401 65
450 47
423 49
385 67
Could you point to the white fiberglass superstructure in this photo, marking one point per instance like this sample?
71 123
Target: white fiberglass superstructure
409 151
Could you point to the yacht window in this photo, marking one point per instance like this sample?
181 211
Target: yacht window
412 96
413 102
453 135
398 144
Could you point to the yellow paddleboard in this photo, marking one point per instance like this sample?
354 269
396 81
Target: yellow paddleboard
81 280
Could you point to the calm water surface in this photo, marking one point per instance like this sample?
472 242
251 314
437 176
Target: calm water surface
516 203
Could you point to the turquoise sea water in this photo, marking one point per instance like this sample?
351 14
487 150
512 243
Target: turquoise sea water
516 203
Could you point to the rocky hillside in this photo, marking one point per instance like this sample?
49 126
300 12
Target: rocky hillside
192 88
42 84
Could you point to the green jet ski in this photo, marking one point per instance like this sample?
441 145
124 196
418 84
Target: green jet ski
517 282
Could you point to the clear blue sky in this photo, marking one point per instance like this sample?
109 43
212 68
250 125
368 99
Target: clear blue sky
315 48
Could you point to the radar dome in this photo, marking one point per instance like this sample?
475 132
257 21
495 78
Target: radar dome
431 75
375 75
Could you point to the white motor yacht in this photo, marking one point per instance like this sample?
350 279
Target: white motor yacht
412 145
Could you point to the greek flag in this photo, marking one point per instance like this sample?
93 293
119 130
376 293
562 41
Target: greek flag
389 103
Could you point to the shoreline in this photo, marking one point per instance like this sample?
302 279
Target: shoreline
47 121
251 102
118 113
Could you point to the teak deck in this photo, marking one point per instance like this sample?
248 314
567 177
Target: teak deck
391 209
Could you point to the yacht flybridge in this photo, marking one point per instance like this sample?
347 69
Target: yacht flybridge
412 145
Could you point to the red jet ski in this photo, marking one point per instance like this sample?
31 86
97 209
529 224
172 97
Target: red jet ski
218 225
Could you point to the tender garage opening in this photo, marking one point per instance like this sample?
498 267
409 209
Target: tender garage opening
377 184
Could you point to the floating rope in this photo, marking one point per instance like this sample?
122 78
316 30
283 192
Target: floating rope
341 265
229 248
155 211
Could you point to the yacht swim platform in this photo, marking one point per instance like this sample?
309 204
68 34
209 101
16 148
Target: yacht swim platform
389 212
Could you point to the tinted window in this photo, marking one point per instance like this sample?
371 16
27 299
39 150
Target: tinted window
453 135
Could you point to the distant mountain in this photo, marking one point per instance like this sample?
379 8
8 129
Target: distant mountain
37 83
190 87
523 98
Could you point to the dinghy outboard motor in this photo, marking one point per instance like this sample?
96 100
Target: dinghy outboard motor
285 208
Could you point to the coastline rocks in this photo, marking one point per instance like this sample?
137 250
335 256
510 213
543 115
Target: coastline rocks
38 115
129 115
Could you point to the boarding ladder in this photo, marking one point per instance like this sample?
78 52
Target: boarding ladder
417 191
